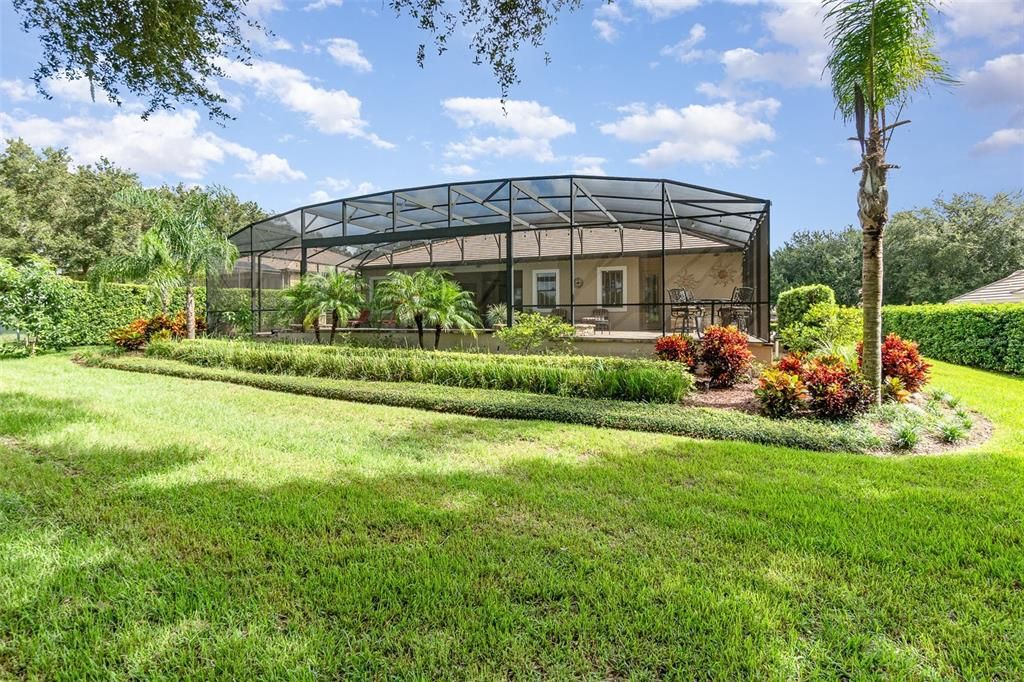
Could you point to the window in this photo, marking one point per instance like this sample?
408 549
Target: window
612 283
545 288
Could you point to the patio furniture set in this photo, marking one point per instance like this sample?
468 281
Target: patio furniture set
688 314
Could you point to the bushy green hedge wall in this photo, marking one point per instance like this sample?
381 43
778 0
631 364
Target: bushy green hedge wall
91 315
985 336
794 303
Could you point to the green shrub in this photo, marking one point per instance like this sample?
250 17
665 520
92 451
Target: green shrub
977 335
696 422
779 393
589 377
905 436
825 327
532 332
794 303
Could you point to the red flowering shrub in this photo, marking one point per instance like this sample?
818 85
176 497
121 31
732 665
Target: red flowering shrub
792 363
677 348
725 355
132 336
779 392
835 390
137 334
901 360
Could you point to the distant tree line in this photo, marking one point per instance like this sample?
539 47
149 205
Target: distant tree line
70 215
931 254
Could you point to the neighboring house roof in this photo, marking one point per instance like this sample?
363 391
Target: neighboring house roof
1009 289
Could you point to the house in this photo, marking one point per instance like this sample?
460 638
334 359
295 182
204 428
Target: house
558 244
1009 289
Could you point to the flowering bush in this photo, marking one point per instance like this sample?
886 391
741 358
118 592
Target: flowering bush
677 348
901 360
725 355
779 392
793 363
835 390
138 333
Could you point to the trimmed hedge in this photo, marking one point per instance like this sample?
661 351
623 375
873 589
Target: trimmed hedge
978 335
695 422
589 377
794 303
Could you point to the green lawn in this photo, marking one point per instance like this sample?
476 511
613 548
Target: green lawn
159 527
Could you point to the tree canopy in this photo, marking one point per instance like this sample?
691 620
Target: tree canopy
931 254
68 213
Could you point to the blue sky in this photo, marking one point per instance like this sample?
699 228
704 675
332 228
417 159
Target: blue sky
727 94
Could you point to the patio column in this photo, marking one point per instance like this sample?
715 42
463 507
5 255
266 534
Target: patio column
572 250
664 284
764 264
510 279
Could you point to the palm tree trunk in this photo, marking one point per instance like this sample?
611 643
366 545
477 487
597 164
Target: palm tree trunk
316 329
873 212
419 329
437 336
190 311
334 325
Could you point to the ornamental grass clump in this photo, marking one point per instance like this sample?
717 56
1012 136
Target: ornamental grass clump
589 377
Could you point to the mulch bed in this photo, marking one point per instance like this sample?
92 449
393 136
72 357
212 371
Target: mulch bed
739 397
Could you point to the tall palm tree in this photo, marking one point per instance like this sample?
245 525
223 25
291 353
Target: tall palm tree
338 294
179 247
450 307
407 296
882 53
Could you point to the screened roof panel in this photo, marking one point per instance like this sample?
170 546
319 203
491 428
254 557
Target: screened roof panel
720 217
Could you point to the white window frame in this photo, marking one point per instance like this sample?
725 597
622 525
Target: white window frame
600 287
536 273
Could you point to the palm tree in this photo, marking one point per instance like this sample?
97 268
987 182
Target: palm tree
177 250
407 296
338 294
882 53
450 307
298 300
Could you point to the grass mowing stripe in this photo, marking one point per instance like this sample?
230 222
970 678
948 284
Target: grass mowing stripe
695 422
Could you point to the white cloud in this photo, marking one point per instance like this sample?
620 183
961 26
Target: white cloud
589 165
998 21
606 30
459 170
322 4
999 141
319 196
334 112
685 50
346 53
790 69
168 143
15 90
533 127
335 188
78 90
697 133
271 168
660 9
607 18
799 23
999 81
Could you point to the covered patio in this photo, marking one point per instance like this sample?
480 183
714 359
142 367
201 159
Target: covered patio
635 258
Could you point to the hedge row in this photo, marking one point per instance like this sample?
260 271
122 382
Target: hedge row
589 377
977 335
695 422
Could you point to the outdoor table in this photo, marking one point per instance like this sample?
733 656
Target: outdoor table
584 329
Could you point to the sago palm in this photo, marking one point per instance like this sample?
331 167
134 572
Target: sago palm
179 247
882 52
338 294
450 307
405 296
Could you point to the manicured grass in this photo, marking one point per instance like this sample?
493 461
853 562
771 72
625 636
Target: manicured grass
155 527
677 420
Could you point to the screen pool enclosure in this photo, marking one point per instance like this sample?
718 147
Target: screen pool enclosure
629 252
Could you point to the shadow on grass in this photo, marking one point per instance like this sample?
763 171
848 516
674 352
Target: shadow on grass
25 414
674 558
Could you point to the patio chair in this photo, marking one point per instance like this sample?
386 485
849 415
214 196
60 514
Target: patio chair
740 308
599 318
560 312
685 314
362 320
